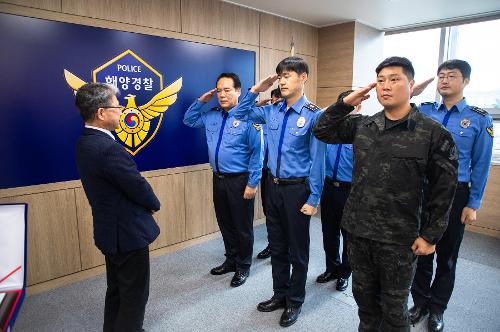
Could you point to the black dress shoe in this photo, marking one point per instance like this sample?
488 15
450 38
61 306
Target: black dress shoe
342 284
222 269
266 253
325 277
417 313
289 316
271 305
239 278
436 322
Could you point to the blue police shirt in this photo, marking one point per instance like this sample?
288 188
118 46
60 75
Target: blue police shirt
234 146
339 160
472 131
293 149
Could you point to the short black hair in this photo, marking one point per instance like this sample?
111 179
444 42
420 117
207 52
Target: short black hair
461 65
233 76
276 93
292 63
344 94
91 96
398 61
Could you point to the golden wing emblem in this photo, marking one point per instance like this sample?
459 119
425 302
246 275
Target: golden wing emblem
135 121
73 81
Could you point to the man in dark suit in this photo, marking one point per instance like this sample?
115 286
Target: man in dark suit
122 205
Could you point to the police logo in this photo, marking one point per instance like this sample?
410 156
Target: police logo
465 123
301 122
236 123
134 78
257 126
490 131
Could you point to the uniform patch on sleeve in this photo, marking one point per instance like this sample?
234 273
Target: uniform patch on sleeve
490 131
257 126
448 150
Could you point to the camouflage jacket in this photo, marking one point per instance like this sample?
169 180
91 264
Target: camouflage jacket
391 166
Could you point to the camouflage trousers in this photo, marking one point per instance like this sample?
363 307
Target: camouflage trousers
382 275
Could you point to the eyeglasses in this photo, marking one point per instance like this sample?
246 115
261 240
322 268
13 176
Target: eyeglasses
120 107
450 77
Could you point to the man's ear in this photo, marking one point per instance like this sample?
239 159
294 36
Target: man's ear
238 91
466 81
303 77
412 85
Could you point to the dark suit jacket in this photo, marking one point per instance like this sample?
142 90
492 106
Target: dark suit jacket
120 198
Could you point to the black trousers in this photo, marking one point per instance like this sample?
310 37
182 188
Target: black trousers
437 294
127 277
333 200
235 218
288 234
381 279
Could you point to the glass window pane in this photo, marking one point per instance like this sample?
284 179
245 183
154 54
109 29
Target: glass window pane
422 49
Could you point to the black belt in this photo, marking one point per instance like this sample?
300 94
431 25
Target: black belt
463 185
338 184
228 175
288 180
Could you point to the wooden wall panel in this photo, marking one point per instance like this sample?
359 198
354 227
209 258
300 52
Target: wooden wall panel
311 86
336 55
277 32
220 20
152 13
52 234
91 256
172 216
239 24
488 215
328 96
200 214
53 5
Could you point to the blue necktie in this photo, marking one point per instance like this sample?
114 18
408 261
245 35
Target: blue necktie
446 118
224 116
336 165
282 135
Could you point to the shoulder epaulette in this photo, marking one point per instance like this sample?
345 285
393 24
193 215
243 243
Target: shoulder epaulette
215 109
479 110
433 103
312 107
257 126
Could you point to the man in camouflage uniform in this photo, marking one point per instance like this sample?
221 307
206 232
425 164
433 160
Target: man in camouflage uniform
395 152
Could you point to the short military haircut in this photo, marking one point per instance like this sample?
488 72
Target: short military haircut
91 96
292 63
233 76
276 93
398 61
344 94
461 65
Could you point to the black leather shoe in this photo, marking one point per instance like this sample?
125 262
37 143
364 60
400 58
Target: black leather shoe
325 277
266 253
222 269
271 305
436 322
342 284
289 316
417 313
239 278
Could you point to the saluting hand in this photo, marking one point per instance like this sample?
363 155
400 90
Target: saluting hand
249 192
308 210
205 98
421 247
357 96
265 84
262 102
420 87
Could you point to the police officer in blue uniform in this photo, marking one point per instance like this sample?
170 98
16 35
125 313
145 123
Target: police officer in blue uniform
294 184
339 160
472 130
235 154
275 98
